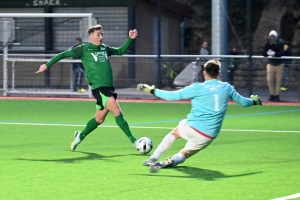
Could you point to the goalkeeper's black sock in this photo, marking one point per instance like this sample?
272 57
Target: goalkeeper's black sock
122 123
90 126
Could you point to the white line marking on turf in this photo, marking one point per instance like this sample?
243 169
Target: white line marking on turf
273 131
293 196
146 127
103 126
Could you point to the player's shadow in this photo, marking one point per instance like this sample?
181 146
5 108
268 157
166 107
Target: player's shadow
88 157
199 173
241 141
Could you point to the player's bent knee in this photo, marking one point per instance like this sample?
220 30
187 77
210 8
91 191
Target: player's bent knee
175 133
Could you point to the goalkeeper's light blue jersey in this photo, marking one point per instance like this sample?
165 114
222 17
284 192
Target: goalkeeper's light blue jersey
209 103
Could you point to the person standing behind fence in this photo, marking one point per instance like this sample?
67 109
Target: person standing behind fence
286 68
203 51
232 65
274 48
78 69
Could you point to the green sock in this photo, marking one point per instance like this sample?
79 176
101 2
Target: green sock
122 123
90 126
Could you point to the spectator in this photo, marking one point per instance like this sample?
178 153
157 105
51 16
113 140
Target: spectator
203 51
78 69
274 48
232 65
286 68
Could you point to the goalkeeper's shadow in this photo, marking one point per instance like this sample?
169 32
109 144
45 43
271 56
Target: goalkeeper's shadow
198 173
207 174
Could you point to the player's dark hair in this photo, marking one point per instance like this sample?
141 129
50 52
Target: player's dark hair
212 68
92 29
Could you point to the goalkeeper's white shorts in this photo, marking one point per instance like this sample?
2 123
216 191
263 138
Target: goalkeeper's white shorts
195 140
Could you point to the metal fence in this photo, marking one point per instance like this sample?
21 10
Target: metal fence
128 70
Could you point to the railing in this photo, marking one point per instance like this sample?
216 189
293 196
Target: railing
139 65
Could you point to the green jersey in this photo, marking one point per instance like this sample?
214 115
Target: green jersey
95 61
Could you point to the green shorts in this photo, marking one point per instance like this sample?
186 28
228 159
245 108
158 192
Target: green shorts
102 94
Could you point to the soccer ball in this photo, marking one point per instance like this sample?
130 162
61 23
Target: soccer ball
144 145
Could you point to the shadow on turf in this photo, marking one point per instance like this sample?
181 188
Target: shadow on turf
204 174
242 141
89 156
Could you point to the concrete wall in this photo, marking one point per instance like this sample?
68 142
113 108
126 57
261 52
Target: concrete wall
146 43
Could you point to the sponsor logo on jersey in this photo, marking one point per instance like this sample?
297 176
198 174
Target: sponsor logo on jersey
213 87
95 57
99 56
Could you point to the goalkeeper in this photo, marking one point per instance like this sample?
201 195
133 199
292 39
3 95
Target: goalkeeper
94 57
209 103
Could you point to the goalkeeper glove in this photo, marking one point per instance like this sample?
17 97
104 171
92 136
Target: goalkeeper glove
256 100
146 88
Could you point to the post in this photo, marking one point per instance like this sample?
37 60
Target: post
249 44
90 24
158 67
13 75
5 51
219 33
182 37
132 24
48 42
71 79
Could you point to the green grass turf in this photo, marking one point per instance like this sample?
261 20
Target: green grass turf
36 162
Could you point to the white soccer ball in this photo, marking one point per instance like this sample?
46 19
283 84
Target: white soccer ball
144 145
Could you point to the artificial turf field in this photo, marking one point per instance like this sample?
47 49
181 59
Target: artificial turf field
256 156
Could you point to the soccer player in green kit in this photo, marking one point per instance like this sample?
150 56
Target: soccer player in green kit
94 57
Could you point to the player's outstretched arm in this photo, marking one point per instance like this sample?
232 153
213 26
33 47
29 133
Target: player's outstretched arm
256 100
146 88
123 49
55 59
42 68
185 93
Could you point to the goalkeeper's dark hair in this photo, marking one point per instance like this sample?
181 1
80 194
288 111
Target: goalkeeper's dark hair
92 29
212 68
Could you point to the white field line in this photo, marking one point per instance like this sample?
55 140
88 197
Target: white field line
293 196
145 127
103 126
273 131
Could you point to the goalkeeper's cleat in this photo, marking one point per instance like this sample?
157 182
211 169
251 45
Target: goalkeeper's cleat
167 163
149 161
256 100
76 141
146 88
154 167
